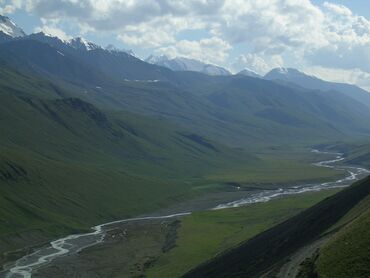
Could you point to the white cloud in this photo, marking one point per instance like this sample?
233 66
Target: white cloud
257 63
348 38
156 33
209 50
274 26
10 6
338 9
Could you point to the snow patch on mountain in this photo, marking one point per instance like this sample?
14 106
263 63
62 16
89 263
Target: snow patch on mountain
186 64
82 44
9 28
286 73
112 48
249 72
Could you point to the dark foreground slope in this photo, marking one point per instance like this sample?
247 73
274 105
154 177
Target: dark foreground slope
347 253
264 252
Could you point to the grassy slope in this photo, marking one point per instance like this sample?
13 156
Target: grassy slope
205 234
347 253
66 165
360 155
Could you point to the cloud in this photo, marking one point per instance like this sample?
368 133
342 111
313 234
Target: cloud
209 50
156 33
338 9
117 14
348 38
272 27
10 6
257 63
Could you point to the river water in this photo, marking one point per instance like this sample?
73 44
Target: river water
23 267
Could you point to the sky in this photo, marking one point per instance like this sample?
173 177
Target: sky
329 39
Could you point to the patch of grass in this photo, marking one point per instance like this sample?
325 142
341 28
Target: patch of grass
279 166
205 234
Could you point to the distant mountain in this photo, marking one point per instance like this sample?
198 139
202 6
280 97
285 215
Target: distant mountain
75 43
9 28
284 73
185 64
248 108
250 73
313 83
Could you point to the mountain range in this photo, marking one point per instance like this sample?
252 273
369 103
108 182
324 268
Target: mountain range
282 105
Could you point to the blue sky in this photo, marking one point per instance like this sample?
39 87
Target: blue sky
330 39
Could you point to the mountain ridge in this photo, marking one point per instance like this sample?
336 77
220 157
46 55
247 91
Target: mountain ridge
9 28
186 64
294 76
206 104
249 72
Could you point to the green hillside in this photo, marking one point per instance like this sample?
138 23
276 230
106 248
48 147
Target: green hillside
66 164
347 253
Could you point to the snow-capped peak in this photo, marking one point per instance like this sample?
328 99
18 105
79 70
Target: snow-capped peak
81 43
249 72
152 59
9 28
186 64
42 35
282 70
112 48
